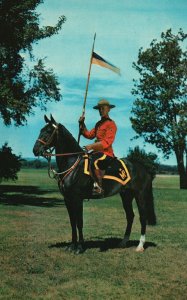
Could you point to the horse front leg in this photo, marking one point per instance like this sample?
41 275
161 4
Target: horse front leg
79 220
72 216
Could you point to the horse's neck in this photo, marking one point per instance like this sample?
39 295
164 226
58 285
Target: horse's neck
66 143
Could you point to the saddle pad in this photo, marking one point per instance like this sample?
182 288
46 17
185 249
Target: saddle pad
117 171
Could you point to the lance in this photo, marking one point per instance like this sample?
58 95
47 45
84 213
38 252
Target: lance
86 92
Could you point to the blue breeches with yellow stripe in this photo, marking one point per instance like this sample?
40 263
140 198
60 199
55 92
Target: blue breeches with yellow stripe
99 161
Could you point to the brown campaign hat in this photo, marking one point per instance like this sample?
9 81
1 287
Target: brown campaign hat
103 102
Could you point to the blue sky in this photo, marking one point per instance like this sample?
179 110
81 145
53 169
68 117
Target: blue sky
122 27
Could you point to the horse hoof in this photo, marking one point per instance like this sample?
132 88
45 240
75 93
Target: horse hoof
124 242
70 248
79 250
140 249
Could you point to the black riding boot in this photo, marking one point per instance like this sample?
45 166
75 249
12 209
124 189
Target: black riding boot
97 189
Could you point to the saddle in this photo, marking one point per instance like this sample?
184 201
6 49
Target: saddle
117 170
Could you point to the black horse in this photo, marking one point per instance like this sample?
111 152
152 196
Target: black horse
76 186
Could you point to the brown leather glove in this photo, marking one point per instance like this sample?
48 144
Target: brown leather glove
81 120
82 126
95 147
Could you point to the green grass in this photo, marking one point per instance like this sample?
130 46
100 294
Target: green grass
35 229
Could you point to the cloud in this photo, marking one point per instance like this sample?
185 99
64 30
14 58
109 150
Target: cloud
122 27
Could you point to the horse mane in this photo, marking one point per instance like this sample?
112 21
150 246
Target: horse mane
149 166
69 142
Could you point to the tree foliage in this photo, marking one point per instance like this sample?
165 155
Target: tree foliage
36 163
10 163
21 87
148 160
159 113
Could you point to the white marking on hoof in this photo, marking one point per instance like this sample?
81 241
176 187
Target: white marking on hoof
140 249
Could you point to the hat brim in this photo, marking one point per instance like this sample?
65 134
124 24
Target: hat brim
98 106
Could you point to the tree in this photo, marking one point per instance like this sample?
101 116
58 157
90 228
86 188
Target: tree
10 164
23 88
159 113
148 160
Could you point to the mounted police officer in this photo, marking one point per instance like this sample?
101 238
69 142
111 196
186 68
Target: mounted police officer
104 132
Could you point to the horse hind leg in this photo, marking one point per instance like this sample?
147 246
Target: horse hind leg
141 203
145 203
127 196
151 216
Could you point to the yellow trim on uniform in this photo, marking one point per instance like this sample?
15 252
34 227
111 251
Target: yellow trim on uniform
97 160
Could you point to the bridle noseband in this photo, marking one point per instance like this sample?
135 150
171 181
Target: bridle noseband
47 143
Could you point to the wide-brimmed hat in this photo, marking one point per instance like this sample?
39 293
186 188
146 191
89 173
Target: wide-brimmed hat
103 102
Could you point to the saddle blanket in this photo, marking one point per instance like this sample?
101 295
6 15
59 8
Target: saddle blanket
117 171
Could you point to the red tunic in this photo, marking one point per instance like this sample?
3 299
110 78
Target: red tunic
104 132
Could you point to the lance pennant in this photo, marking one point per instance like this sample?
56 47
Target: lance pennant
98 60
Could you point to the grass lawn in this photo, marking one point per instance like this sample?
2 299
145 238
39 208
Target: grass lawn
35 229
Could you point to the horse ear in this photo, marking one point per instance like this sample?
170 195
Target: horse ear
46 119
53 120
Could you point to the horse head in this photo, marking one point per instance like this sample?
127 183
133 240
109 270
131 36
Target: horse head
47 137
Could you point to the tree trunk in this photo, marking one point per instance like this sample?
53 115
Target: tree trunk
183 180
181 169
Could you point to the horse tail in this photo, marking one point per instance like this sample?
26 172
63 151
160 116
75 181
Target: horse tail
150 208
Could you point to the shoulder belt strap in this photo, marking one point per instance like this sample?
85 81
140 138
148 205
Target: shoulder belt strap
99 123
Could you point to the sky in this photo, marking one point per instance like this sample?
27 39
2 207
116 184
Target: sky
122 27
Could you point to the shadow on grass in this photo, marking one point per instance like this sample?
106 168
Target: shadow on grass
27 195
105 245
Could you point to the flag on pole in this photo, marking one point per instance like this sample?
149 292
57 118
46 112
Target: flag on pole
98 60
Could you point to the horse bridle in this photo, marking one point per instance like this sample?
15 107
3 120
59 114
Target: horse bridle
49 154
47 143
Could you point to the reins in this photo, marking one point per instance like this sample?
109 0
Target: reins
65 173
63 154
55 174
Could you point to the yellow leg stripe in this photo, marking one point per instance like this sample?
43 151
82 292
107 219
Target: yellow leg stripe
97 160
